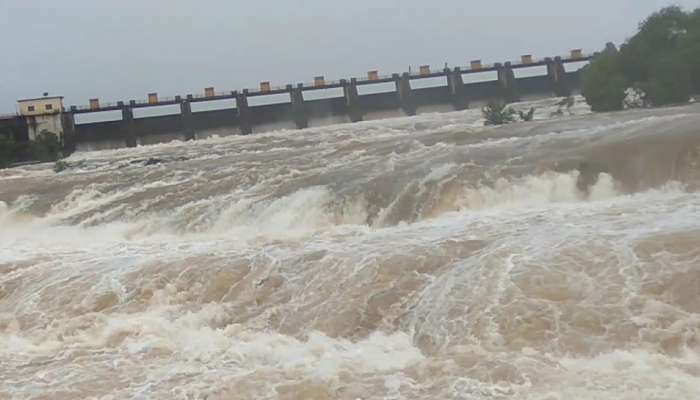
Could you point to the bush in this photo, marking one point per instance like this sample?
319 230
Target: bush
496 113
603 85
527 116
60 166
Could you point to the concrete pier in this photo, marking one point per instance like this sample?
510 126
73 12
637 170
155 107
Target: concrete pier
69 139
404 93
455 84
506 83
298 108
128 124
186 118
244 120
557 77
352 100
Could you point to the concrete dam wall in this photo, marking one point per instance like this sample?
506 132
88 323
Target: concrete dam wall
348 105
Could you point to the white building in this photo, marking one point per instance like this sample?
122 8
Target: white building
43 114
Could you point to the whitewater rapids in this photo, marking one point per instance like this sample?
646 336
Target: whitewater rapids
422 257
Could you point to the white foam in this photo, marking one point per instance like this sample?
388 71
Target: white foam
636 374
535 190
190 337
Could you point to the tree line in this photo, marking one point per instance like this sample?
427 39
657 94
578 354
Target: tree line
661 63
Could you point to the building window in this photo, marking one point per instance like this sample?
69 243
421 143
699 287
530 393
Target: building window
30 108
49 107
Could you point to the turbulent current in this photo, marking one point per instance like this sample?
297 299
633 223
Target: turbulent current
423 257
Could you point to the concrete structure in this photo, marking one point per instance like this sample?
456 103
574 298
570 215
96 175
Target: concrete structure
557 77
298 108
404 92
506 83
352 100
129 125
455 84
244 119
15 127
42 114
187 123
350 106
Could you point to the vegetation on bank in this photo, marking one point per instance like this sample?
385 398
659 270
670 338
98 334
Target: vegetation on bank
47 147
660 64
527 116
498 113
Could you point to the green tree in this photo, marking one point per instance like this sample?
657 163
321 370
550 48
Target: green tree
690 49
662 59
669 81
603 85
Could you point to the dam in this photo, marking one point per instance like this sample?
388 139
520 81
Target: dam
321 102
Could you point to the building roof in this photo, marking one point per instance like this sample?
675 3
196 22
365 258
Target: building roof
41 98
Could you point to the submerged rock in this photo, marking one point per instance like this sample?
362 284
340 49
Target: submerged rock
588 175
153 161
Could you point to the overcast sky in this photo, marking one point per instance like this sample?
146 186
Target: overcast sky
120 50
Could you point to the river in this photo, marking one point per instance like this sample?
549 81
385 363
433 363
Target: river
424 257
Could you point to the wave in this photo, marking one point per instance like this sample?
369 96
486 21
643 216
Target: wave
303 213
